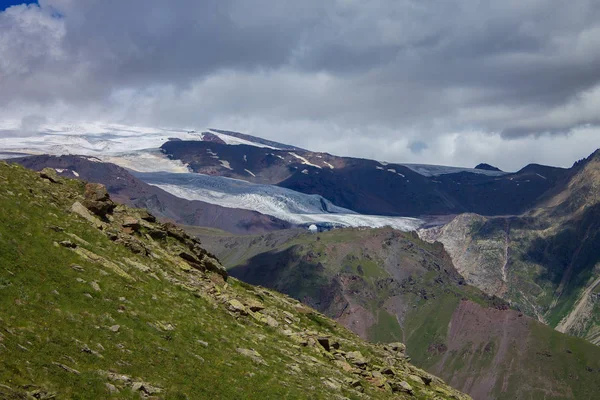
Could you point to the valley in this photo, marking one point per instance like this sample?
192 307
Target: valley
391 286
299 200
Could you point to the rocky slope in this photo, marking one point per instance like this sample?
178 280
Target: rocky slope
127 189
545 262
100 301
372 187
391 286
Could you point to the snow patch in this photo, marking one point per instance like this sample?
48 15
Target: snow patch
237 141
329 165
304 160
226 164
250 172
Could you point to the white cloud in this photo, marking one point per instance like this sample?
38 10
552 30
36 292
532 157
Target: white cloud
473 81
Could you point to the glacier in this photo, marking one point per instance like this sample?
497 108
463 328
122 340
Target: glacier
288 205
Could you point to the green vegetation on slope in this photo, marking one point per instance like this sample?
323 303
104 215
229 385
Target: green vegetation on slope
127 307
452 329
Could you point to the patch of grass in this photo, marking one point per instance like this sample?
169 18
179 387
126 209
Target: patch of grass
386 330
427 325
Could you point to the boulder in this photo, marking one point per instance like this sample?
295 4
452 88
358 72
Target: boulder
97 200
136 246
237 307
175 232
146 216
397 347
131 223
402 387
157 233
79 209
49 174
253 355
96 192
254 305
272 322
110 388
145 388
211 264
356 358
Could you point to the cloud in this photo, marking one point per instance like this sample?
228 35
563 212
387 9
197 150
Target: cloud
404 80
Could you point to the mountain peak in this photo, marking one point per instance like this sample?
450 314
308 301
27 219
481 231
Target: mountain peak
487 167
594 156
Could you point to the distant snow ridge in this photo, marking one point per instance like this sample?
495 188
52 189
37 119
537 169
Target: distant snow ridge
285 204
436 170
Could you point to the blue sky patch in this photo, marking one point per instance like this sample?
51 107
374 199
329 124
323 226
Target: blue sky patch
4 4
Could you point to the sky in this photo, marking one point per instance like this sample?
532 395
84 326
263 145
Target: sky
454 82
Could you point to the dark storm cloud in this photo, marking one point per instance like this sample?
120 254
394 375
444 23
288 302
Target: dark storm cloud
398 71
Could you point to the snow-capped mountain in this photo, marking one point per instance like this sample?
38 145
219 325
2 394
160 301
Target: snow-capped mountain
366 187
138 149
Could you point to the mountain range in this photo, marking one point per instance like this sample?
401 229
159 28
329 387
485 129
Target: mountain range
491 278
372 187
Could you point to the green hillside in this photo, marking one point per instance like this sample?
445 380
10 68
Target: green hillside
391 286
99 301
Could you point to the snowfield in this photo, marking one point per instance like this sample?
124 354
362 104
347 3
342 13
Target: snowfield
285 204
136 146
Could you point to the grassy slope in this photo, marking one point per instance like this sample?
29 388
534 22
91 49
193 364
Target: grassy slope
430 298
54 325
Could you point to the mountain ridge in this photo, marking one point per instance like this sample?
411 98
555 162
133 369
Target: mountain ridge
387 285
546 261
369 186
